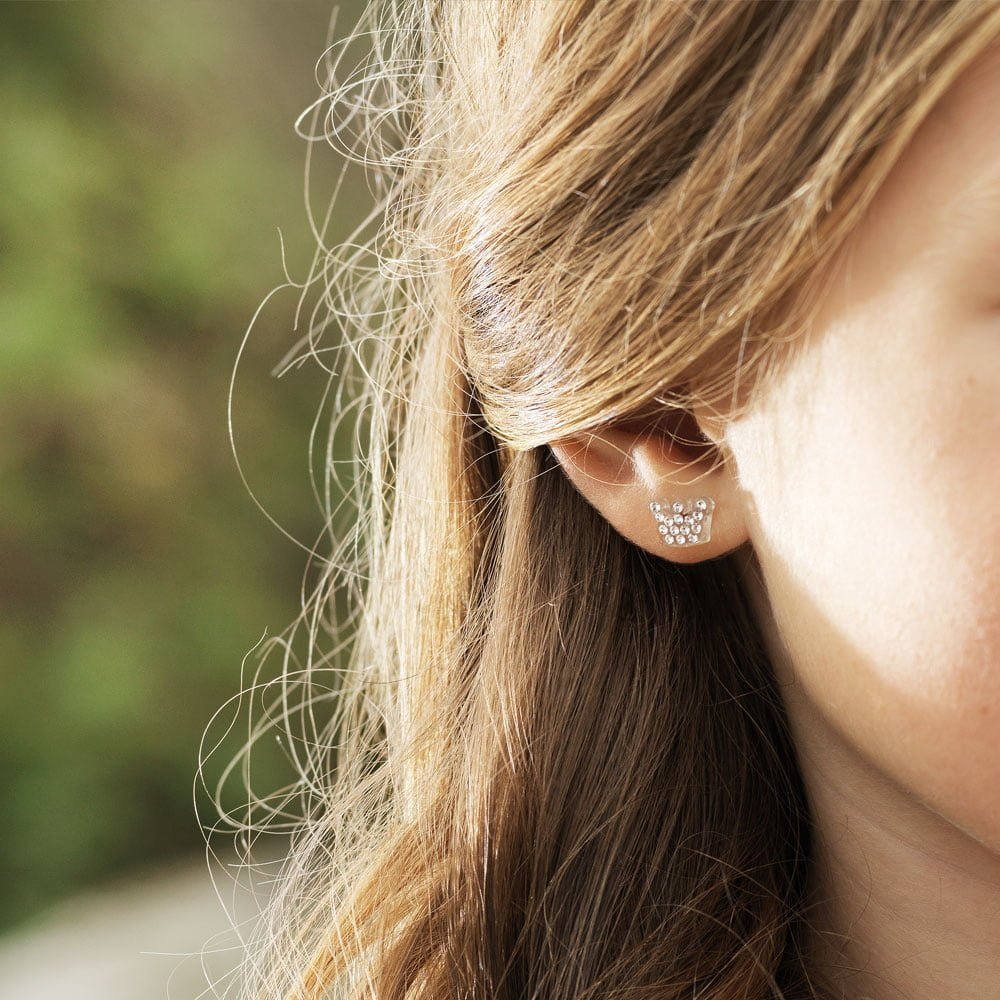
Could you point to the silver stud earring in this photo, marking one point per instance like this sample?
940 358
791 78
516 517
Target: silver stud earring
684 522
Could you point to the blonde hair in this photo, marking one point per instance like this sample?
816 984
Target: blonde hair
536 760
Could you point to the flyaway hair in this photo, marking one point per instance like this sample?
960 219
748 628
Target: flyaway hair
535 762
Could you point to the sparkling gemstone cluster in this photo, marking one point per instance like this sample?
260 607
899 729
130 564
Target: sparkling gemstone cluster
684 522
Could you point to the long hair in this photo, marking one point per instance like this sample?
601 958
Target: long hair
537 761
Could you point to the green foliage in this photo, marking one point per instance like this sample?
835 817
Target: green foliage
149 158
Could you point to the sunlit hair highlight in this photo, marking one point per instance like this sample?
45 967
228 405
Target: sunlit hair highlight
533 760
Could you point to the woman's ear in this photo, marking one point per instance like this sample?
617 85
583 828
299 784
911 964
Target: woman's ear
621 470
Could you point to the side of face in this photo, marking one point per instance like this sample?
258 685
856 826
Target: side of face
865 482
869 476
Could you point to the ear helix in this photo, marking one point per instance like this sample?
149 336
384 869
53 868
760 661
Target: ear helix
684 522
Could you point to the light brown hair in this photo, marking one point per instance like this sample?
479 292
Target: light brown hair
537 761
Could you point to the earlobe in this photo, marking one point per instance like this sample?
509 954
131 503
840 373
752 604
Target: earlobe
673 498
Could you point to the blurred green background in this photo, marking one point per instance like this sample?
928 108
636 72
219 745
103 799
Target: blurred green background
148 158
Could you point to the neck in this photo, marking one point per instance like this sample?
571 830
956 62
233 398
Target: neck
904 904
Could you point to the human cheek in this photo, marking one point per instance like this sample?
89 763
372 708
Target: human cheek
874 491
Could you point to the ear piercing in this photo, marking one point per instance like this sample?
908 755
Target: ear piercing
684 522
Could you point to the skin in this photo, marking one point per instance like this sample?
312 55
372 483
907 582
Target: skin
861 497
